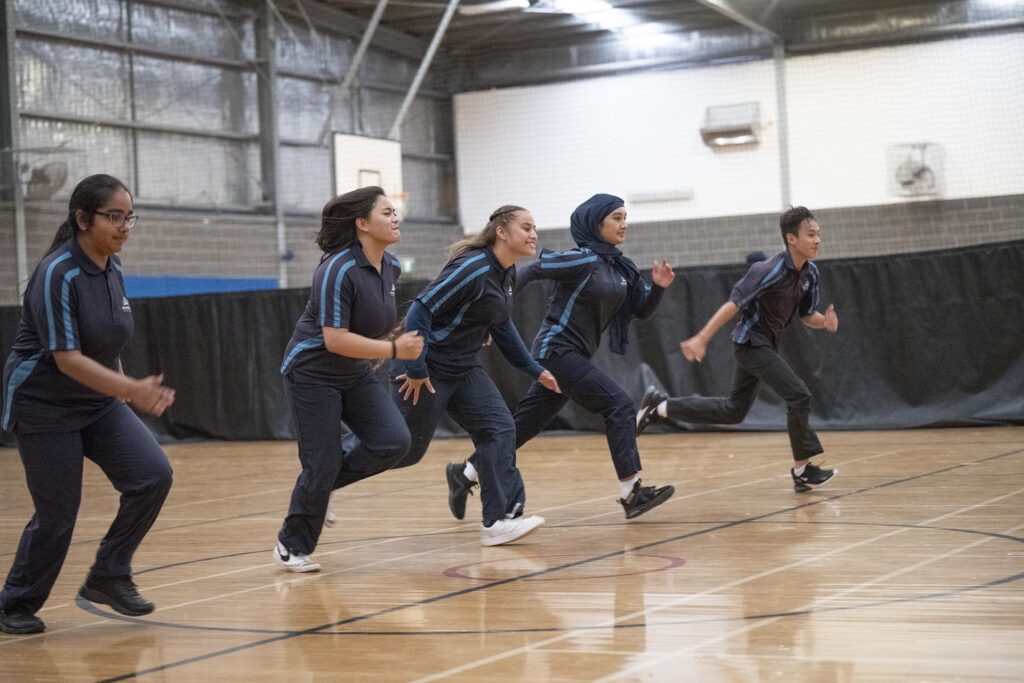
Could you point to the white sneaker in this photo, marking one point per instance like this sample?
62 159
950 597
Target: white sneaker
294 562
508 530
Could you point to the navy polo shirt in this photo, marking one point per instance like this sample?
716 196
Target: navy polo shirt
471 295
769 295
587 293
347 293
70 304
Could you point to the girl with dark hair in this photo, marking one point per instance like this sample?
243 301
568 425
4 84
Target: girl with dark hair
470 299
327 366
594 287
65 397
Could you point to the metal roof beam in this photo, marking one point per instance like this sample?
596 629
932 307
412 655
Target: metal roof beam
728 8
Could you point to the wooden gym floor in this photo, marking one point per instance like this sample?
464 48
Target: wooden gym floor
907 567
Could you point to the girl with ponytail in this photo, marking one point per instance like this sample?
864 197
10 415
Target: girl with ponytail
468 301
594 287
66 398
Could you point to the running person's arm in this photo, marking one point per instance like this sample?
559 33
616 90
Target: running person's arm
644 298
809 302
508 341
345 343
418 320
563 266
147 394
696 346
822 321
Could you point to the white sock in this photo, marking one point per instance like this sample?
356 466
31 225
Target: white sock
470 472
626 487
799 470
662 409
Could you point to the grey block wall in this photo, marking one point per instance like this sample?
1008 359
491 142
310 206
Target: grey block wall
238 245
846 232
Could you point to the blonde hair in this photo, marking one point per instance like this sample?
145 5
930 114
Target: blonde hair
500 218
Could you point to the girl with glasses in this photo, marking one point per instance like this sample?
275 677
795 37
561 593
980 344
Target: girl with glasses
66 398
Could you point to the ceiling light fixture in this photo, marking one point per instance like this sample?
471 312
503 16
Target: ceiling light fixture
493 7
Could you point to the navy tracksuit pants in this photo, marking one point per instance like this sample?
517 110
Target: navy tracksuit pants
133 462
756 364
331 460
478 407
581 381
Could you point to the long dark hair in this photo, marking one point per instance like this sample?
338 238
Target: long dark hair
338 219
88 197
501 218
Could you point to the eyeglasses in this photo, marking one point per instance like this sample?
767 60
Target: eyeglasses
118 219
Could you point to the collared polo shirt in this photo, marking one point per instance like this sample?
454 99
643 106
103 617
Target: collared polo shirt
769 295
471 295
70 304
347 293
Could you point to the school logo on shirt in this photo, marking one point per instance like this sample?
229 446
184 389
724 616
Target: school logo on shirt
392 289
806 284
622 280
510 290
124 305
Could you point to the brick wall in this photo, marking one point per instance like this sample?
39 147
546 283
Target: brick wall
237 245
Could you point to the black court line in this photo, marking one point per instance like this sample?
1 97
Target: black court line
501 582
93 609
204 522
345 541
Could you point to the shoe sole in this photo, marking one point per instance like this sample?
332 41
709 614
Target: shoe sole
663 497
508 538
643 416
449 474
801 487
95 597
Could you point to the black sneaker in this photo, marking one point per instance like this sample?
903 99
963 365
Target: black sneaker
117 591
459 488
812 477
19 621
648 410
643 498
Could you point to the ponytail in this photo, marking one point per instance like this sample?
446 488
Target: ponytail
501 218
64 233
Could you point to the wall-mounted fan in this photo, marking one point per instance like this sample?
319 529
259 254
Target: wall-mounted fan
915 169
45 180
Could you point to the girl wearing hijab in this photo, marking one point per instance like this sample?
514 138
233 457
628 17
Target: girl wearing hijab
595 288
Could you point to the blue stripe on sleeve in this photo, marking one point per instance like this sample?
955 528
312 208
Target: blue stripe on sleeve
773 276
65 304
564 320
339 278
323 285
19 375
814 288
568 264
440 335
578 251
427 296
311 343
477 273
50 323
